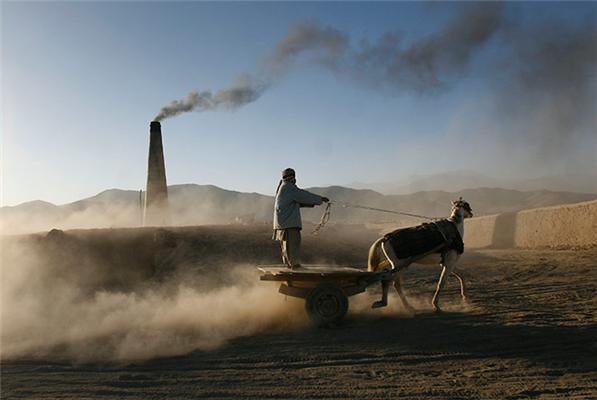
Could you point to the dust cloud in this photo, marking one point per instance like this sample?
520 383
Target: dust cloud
31 219
420 302
188 205
57 312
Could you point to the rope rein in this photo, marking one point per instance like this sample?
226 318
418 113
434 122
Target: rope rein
327 212
350 205
324 219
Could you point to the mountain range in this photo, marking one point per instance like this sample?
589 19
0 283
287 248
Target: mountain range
462 179
192 204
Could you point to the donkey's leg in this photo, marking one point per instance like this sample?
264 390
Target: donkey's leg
374 264
440 285
458 275
448 265
395 263
384 295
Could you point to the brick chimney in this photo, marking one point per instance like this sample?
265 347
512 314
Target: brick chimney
155 212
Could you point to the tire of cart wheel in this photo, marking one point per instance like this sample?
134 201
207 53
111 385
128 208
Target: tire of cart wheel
326 304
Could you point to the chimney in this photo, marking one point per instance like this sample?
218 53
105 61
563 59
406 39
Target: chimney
156 195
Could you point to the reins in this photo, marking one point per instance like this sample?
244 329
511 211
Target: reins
327 213
325 217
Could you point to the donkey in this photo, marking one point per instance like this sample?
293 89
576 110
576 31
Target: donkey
438 242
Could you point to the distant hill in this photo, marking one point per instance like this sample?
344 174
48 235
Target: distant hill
484 201
462 179
192 204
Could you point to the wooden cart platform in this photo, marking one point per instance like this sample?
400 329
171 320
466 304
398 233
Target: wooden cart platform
325 288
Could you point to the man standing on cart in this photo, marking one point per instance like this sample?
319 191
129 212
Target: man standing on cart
287 216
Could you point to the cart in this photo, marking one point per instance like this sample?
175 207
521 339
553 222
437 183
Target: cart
325 288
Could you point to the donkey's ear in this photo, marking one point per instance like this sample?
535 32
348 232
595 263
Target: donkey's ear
460 198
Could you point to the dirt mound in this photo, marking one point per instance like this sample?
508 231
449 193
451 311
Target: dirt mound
140 293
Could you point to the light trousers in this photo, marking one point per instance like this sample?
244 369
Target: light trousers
291 247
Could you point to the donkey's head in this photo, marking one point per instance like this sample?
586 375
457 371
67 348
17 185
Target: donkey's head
461 209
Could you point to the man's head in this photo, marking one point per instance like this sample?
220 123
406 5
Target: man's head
288 175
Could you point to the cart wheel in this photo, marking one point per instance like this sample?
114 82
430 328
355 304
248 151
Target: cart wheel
326 304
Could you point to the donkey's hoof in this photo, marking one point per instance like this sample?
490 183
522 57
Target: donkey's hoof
379 304
437 310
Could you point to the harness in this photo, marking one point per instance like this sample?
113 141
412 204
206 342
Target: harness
433 237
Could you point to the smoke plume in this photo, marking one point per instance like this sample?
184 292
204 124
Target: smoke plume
422 66
548 88
328 45
245 91
427 64
541 77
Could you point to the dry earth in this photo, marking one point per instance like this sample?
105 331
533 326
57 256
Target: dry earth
529 331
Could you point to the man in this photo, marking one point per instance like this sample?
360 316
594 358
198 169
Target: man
287 216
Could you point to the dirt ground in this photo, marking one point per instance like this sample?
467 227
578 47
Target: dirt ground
528 331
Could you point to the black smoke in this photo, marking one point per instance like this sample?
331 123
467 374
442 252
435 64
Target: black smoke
245 91
543 74
548 85
422 66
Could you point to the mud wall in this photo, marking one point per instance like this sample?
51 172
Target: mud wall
566 226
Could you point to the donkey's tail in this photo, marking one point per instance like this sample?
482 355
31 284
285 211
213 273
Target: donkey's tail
374 255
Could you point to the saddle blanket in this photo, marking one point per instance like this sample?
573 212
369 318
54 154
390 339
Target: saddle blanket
437 237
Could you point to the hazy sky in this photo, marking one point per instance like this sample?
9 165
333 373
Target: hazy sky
82 81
